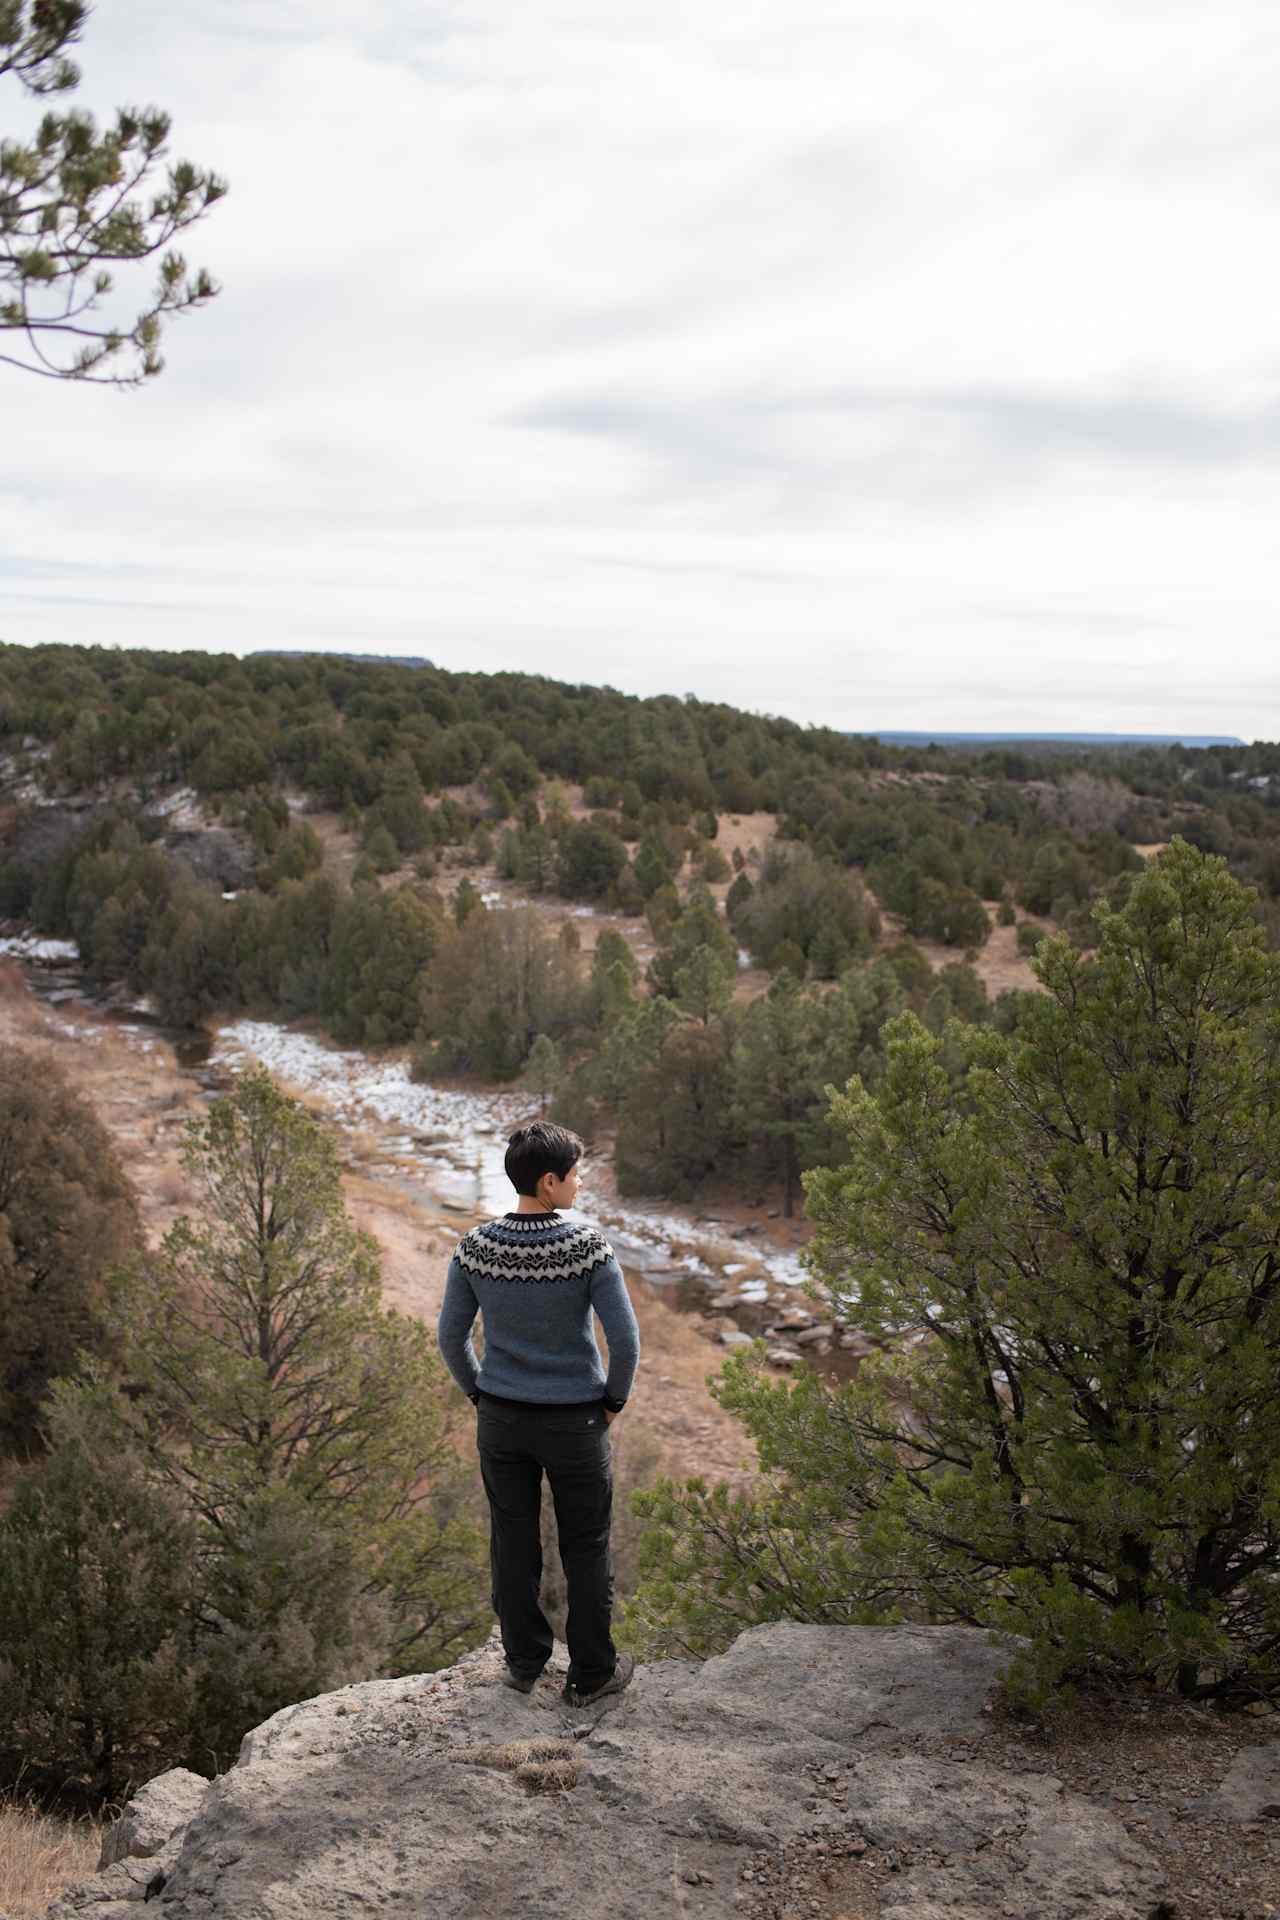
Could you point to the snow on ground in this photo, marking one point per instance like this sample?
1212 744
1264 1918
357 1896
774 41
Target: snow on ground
30 946
459 1138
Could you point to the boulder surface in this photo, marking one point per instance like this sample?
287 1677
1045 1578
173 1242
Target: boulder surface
453 1796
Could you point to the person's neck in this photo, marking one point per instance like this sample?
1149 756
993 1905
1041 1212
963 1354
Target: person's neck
529 1203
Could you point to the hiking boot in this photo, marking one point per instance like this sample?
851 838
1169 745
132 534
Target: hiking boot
618 1679
522 1682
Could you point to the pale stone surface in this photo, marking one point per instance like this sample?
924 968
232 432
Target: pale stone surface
1250 1790
154 1814
374 1800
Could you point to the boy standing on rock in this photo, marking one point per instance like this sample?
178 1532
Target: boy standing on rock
545 1404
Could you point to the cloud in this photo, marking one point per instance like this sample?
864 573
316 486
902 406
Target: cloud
886 364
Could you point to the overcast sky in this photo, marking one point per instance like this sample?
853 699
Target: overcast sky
912 364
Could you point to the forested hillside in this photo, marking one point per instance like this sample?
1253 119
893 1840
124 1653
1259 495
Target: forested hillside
377 847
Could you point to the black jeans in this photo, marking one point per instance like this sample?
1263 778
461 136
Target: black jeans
517 1444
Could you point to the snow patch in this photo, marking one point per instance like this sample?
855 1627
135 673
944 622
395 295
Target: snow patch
30 946
458 1140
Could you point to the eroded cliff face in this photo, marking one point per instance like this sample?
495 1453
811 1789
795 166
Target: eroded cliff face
449 1795
36 829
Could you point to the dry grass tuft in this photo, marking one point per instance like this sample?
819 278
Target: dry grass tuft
550 1776
171 1188
40 1855
543 1764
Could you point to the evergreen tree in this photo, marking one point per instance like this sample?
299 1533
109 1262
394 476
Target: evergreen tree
381 850
400 810
1079 1442
653 865
804 904
780 1067
591 858
697 925
67 1215
543 1070
98 1593
670 1081
704 985
306 1425
381 945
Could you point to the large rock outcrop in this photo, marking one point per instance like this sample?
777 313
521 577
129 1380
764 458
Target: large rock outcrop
450 1796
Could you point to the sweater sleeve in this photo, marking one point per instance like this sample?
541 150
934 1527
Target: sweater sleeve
612 1302
453 1330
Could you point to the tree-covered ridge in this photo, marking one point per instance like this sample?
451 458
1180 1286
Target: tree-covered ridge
334 727
451 785
935 830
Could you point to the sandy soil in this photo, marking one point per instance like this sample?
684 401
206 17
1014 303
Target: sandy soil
998 964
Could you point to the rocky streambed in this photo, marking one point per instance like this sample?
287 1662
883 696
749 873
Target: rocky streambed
443 1146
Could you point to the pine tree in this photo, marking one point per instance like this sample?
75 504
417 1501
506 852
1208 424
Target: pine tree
704 985
75 203
279 1396
67 1215
1076 1439
780 1066
697 924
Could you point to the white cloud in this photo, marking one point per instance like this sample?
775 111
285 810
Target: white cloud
901 365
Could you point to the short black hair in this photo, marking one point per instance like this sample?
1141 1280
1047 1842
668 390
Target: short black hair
537 1149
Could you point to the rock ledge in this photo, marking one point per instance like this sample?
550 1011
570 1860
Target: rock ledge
450 1795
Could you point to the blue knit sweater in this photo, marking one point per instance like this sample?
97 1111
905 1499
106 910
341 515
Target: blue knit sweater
536 1277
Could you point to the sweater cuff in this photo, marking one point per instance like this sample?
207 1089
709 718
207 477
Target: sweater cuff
614 1406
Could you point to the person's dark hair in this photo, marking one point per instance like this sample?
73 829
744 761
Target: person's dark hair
537 1149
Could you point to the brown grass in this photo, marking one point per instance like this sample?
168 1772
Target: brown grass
171 1188
40 1855
543 1764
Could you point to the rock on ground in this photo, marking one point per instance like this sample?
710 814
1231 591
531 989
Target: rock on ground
154 1816
452 1796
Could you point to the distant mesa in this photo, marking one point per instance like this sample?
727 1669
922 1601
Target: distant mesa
324 653
1031 739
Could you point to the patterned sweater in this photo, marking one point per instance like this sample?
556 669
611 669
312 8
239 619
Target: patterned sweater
536 1277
